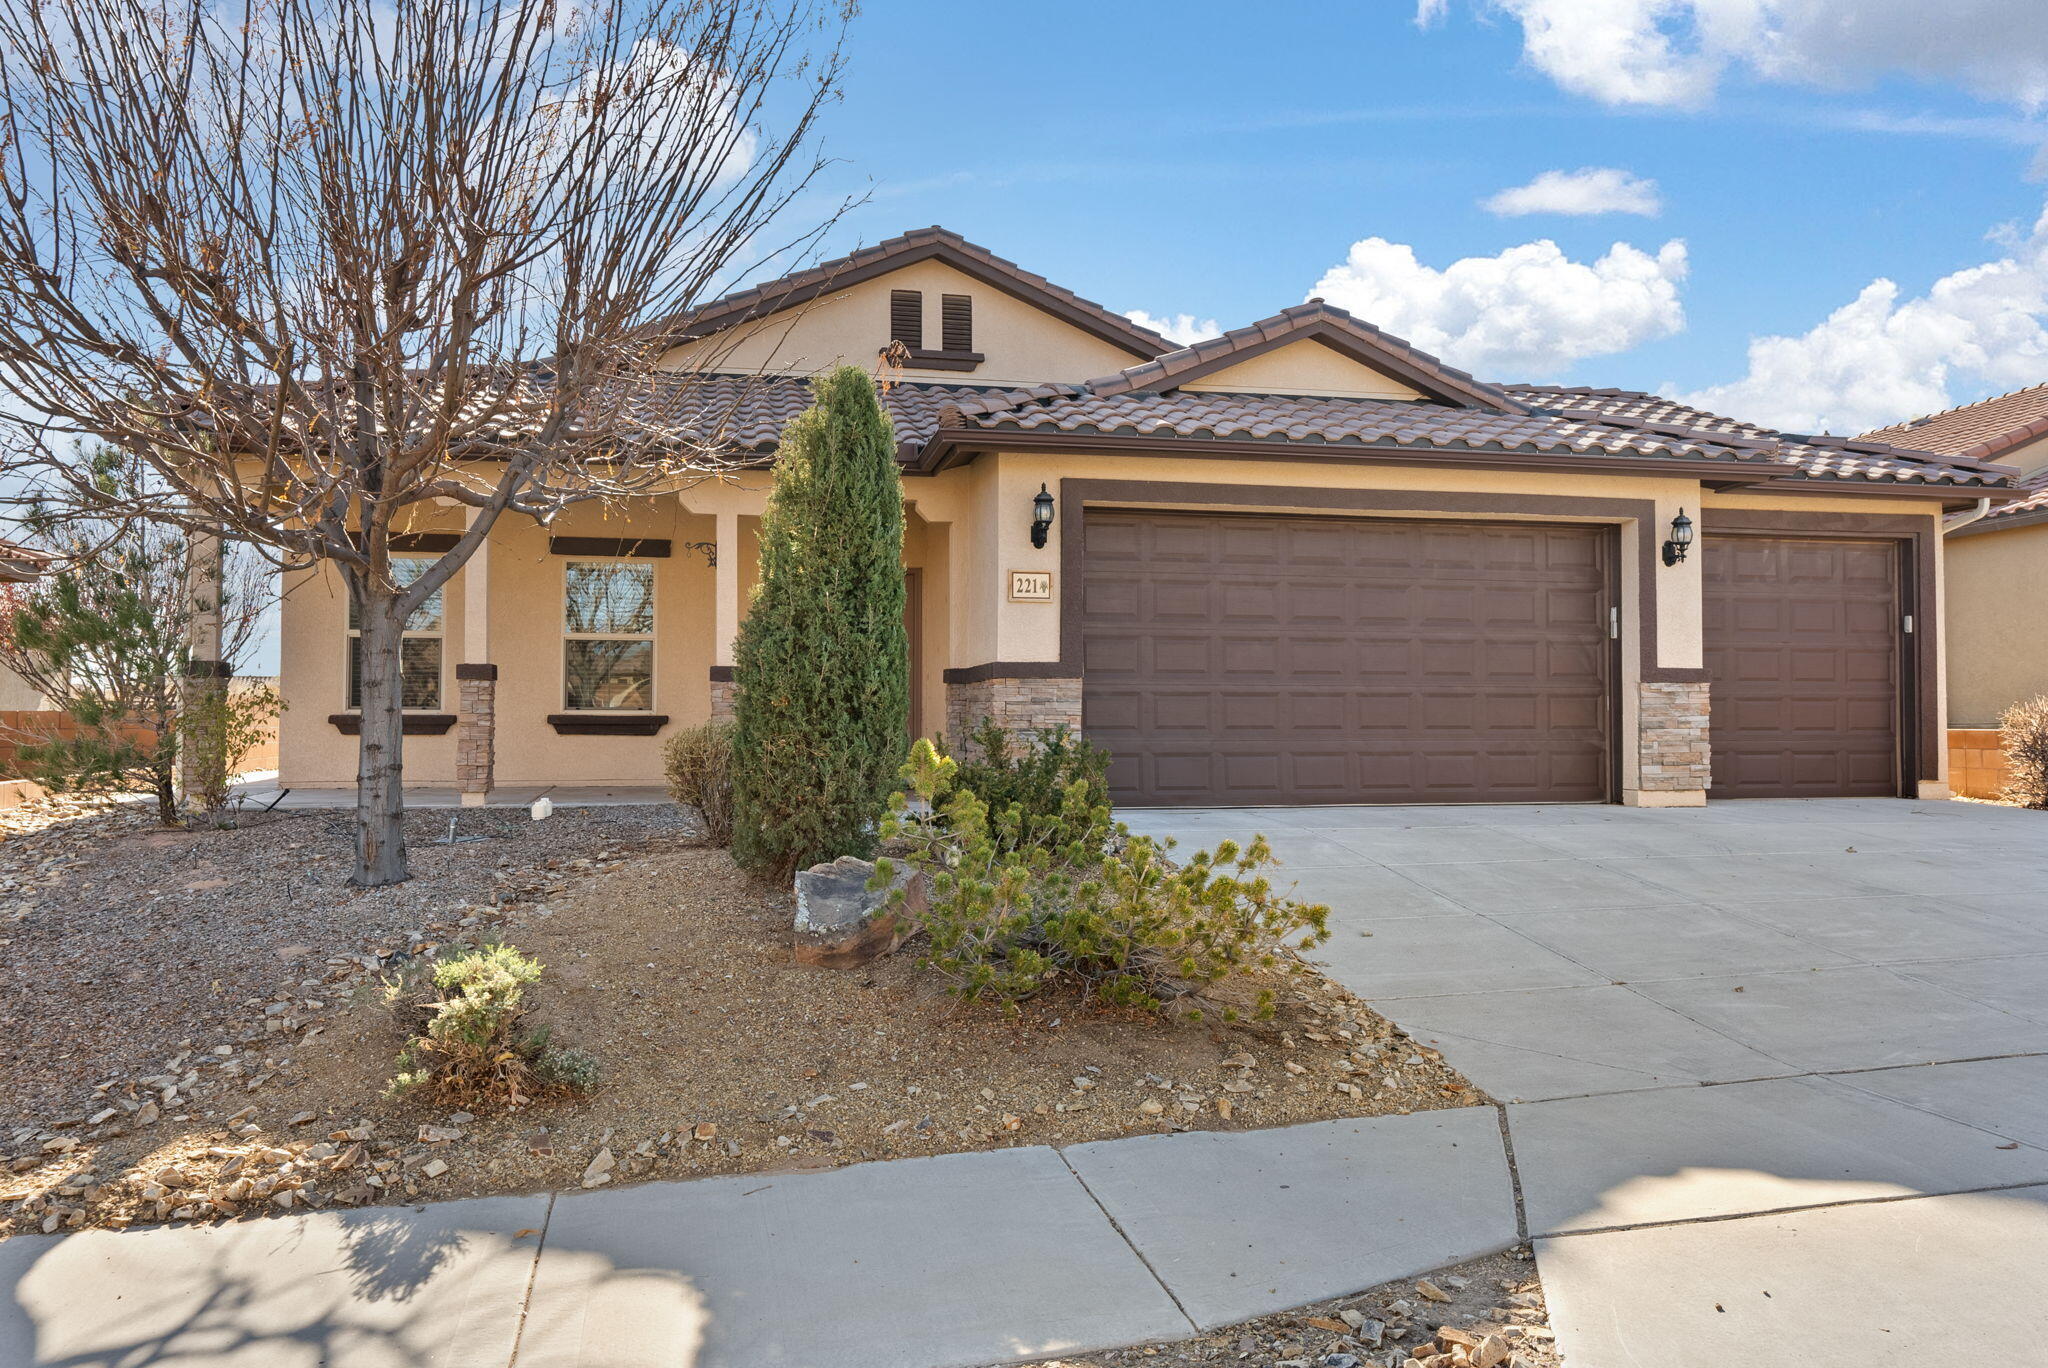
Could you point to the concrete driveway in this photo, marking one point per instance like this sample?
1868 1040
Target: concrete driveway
1749 1052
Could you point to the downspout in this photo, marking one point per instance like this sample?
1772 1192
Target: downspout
1955 520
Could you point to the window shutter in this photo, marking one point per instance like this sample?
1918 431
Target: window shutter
906 318
956 322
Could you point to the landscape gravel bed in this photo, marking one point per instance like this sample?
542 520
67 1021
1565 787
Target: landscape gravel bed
1485 1313
192 1027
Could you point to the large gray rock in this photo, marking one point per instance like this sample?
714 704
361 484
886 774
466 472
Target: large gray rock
841 923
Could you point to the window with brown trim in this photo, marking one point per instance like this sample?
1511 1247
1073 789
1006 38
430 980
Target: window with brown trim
419 648
608 636
956 322
906 318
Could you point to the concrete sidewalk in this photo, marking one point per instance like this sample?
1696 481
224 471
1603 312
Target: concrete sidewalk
958 1260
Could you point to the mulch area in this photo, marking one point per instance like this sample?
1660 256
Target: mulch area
189 1027
1487 1313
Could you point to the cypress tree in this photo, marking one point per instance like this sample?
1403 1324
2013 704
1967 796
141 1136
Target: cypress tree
821 670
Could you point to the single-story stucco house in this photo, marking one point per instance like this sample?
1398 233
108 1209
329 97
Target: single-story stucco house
1996 588
1303 562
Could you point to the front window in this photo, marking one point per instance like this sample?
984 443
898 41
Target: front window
608 631
419 649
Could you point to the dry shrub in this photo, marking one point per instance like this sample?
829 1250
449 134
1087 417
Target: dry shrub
700 776
472 1050
2026 752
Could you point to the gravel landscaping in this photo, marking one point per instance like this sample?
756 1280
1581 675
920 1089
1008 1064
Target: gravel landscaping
189 1027
1486 1313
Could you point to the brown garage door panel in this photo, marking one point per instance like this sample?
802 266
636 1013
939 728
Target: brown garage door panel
1236 659
1802 653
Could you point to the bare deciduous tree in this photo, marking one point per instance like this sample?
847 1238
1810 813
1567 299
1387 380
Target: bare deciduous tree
321 262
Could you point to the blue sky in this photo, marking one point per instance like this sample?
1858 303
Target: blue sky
1218 160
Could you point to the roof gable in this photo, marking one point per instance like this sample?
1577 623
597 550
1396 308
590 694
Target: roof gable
922 244
1304 367
1373 352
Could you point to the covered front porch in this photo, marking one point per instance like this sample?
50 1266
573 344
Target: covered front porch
559 658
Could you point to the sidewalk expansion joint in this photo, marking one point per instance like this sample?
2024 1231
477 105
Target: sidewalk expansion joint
1124 1235
540 1245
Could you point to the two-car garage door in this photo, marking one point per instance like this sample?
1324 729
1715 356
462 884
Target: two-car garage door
1250 659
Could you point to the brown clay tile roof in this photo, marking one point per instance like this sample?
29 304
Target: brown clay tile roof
917 245
1579 422
1986 429
1839 458
20 564
1328 324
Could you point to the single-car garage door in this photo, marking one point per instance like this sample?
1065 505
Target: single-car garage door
1248 659
1803 663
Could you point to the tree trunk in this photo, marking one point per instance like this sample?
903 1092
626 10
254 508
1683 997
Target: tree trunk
380 762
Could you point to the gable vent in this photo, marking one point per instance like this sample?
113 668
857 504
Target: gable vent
956 322
906 318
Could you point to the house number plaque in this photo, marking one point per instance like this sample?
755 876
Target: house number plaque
1031 586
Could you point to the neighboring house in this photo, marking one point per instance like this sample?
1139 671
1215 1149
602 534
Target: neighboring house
18 566
1299 563
1996 583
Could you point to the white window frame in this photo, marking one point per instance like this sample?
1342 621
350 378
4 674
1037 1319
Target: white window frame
649 636
440 634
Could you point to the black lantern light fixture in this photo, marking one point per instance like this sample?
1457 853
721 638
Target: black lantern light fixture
1681 538
1041 516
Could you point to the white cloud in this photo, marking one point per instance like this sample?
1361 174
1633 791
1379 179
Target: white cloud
1529 312
1588 190
1880 358
1181 328
1676 52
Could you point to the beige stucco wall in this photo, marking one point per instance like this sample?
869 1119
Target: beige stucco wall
2028 458
1997 612
1022 345
1306 367
967 529
17 696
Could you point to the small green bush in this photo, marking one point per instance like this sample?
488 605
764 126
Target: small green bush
1022 899
472 1050
2025 726
699 764
1036 774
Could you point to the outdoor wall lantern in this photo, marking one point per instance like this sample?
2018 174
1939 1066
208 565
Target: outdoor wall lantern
1041 516
1681 538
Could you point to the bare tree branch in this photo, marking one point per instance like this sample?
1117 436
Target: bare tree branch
318 262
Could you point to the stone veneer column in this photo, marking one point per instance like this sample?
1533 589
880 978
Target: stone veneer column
1674 762
721 693
1025 706
476 727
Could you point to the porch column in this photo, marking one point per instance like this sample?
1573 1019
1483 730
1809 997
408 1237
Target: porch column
725 562
476 685
205 672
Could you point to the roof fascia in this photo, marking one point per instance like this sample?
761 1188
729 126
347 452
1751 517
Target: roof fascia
951 447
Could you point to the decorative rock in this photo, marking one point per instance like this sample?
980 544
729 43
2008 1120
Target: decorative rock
841 923
434 1168
438 1135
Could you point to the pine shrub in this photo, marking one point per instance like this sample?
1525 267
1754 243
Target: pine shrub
1023 899
1035 774
2025 726
821 668
472 1050
699 764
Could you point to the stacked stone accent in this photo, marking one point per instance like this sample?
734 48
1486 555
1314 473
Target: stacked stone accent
476 727
1671 732
722 696
204 680
1023 706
